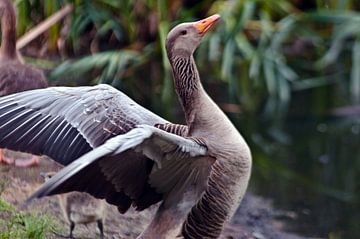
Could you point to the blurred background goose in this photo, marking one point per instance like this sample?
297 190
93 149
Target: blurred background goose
132 157
14 75
80 208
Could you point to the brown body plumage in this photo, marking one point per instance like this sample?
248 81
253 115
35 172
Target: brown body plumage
132 157
17 77
14 75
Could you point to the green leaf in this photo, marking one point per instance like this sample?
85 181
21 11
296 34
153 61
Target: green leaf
355 72
228 60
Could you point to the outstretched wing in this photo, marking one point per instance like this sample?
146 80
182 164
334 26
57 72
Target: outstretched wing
66 122
175 164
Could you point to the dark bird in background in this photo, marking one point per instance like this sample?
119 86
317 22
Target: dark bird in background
14 75
117 150
80 208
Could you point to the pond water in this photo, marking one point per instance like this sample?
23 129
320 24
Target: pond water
310 168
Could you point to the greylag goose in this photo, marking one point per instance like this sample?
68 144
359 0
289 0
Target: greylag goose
80 208
117 150
14 75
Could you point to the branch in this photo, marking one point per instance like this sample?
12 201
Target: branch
43 26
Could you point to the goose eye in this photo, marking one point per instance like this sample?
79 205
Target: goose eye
183 32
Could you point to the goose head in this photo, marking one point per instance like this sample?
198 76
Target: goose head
183 39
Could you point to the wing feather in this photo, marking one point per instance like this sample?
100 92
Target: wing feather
123 161
66 122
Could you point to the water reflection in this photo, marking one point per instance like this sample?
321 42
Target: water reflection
309 166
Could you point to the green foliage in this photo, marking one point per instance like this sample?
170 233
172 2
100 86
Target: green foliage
264 51
112 66
18 225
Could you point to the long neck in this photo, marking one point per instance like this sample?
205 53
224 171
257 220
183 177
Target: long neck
187 84
230 173
8 31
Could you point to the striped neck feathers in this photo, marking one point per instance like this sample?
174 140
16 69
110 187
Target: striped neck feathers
187 81
8 30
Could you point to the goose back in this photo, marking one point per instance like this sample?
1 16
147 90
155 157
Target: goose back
17 77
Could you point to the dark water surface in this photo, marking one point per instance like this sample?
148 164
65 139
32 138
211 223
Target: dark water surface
310 168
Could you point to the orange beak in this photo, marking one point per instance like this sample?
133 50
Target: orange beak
204 25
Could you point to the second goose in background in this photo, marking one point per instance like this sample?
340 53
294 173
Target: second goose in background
14 75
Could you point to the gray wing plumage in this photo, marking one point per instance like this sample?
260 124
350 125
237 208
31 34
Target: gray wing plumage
176 161
66 122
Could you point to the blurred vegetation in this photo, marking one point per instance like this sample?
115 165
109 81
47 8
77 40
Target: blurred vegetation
20 225
265 51
283 70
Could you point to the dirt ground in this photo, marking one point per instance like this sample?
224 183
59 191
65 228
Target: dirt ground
255 219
